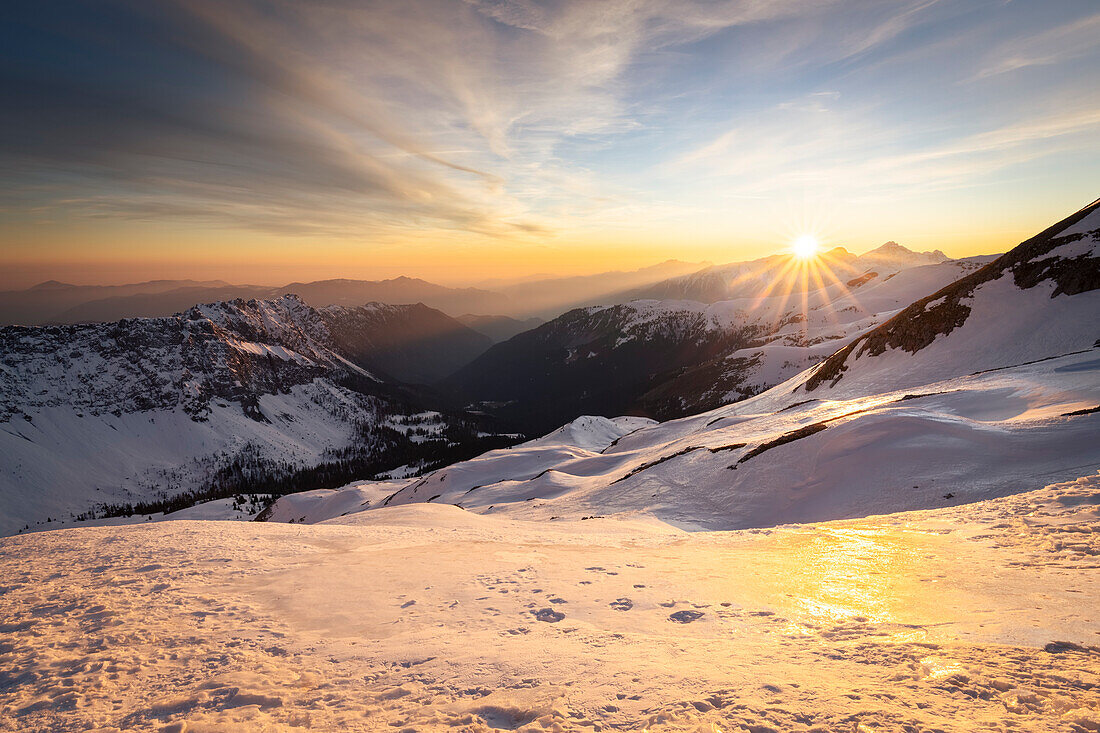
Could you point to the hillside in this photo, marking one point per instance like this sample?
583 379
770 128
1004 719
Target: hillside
1038 300
498 328
413 343
224 397
667 359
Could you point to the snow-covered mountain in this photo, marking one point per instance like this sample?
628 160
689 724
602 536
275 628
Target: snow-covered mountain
220 395
783 273
669 358
1002 394
1040 299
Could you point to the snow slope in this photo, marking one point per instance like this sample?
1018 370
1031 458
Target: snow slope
1038 300
429 618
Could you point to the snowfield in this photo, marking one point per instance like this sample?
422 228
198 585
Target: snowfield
427 617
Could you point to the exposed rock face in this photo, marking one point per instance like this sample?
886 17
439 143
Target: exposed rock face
234 351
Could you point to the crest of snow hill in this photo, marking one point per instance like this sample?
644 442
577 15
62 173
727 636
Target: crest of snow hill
768 386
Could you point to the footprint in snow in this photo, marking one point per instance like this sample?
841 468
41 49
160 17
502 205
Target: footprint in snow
548 615
685 617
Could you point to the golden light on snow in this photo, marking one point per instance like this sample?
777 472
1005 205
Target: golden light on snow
805 247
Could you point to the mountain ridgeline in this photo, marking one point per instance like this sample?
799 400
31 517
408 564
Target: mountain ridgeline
721 335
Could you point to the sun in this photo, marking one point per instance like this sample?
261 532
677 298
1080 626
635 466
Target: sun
805 247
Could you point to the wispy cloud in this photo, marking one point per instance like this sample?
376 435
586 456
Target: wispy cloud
1065 42
514 119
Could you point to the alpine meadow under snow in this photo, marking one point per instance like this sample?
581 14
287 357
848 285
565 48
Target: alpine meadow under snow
902 534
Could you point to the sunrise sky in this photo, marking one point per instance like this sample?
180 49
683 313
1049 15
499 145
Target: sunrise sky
265 142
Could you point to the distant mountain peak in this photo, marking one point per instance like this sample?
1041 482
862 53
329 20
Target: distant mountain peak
890 246
893 249
51 285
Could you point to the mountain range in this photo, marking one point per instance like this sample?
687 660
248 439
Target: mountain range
538 299
54 302
978 389
277 396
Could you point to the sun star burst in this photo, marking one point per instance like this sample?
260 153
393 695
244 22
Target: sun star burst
805 247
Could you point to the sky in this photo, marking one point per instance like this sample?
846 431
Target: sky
464 140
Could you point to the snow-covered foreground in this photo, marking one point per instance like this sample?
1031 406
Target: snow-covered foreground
425 617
